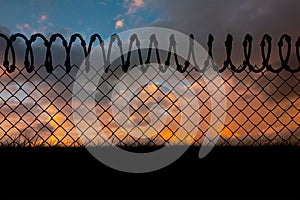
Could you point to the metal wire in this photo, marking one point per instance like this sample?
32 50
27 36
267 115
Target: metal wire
36 109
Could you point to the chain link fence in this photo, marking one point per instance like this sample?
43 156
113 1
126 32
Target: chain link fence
263 104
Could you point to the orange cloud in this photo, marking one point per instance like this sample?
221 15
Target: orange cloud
138 3
43 18
134 5
119 23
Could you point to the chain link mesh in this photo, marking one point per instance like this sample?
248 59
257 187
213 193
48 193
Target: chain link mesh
263 104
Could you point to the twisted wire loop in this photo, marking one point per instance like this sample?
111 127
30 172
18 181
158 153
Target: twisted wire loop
247 50
264 106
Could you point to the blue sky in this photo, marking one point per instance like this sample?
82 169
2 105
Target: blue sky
106 17
86 17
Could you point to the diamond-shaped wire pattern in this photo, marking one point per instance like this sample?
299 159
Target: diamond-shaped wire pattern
263 104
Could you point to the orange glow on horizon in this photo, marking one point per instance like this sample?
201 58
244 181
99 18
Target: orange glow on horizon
276 118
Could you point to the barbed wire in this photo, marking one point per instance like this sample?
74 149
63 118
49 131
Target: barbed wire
265 50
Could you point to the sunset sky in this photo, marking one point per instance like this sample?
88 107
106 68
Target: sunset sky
202 17
107 17
67 17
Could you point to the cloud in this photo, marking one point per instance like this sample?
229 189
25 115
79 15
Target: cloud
134 5
41 24
138 3
102 3
6 31
237 18
27 29
24 28
202 17
119 23
42 18
66 31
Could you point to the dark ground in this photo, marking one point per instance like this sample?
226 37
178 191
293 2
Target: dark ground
225 172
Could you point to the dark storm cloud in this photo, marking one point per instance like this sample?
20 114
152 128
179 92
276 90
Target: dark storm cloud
218 17
256 17
39 50
233 16
42 78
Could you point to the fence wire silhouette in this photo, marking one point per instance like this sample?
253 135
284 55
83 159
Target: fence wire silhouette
36 102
